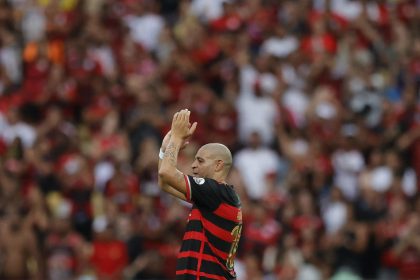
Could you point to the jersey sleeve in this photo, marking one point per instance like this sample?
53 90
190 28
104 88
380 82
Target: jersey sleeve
203 192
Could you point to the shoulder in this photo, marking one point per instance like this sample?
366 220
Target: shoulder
200 180
229 195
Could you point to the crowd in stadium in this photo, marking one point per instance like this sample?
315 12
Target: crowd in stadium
319 102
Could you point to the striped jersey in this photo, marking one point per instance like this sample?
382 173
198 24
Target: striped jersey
213 231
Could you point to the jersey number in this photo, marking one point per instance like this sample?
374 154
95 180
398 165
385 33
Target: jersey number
236 233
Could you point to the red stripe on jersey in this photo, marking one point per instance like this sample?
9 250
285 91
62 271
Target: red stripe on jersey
192 272
200 237
216 231
194 235
195 214
228 212
211 227
197 255
221 254
188 188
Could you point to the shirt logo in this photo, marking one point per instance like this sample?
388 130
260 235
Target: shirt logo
198 180
239 216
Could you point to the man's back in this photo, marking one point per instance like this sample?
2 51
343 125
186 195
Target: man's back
213 231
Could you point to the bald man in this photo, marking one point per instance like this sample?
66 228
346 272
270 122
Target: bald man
215 222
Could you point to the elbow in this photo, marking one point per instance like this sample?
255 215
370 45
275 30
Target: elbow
161 182
163 175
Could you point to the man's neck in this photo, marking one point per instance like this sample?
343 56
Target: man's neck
220 179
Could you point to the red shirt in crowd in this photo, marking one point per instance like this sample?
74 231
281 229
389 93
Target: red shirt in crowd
109 259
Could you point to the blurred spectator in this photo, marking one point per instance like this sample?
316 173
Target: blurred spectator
334 212
65 247
255 164
144 23
261 231
21 255
406 251
109 255
12 127
347 161
257 110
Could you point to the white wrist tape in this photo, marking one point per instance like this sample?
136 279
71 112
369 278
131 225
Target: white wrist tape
161 154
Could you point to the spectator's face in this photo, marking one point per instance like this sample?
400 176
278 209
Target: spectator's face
376 158
62 225
12 116
259 213
319 27
254 140
14 219
305 203
416 47
414 223
417 205
397 209
393 160
107 234
336 194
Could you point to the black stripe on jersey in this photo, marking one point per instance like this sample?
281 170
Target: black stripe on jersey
191 245
219 221
218 243
230 196
187 263
212 268
194 225
187 277
191 277
208 251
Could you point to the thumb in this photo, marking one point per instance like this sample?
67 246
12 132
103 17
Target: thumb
192 129
185 144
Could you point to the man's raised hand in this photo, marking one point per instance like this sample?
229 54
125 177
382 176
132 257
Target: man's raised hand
181 126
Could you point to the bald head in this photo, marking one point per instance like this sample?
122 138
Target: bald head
219 152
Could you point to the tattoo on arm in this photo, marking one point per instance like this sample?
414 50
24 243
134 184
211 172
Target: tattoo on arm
173 177
171 153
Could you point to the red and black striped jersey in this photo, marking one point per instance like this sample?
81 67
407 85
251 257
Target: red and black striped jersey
213 231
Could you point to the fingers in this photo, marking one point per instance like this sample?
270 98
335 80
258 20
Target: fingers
185 145
186 115
192 128
181 124
175 118
182 116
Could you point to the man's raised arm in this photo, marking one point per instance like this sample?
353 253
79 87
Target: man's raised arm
171 180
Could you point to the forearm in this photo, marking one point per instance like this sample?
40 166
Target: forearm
164 186
181 130
170 157
160 183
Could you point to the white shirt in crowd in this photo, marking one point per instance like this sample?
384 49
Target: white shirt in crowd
350 9
257 114
9 132
297 102
145 29
207 10
254 165
334 216
347 166
280 47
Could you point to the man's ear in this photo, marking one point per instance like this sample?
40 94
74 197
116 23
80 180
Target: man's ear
220 165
